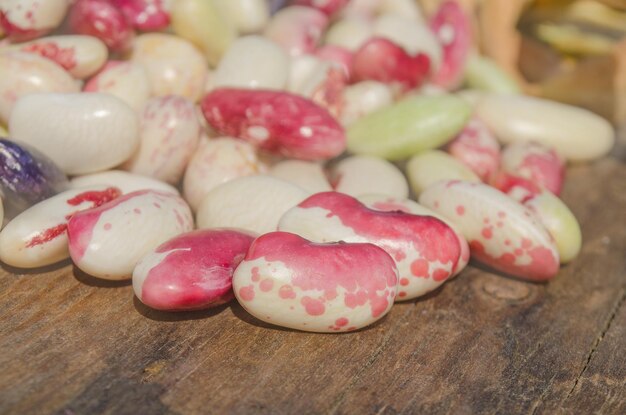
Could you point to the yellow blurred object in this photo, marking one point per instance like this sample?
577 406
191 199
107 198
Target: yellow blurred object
590 11
572 40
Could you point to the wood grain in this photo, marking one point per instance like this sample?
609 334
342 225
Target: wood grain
483 343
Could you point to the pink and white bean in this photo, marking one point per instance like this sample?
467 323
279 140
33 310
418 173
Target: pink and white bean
192 271
363 98
291 282
535 162
81 56
297 29
37 237
145 15
26 73
501 232
275 121
359 175
81 133
125 230
125 181
328 7
432 166
174 66
253 203
425 249
382 60
413 37
453 28
103 20
217 161
337 55
391 204
169 135
252 62
23 20
127 81
306 174
478 149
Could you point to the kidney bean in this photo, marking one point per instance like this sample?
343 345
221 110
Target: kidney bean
23 20
103 20
297 29
126 182
306 174
536 163
127 81
359 175
431 166
145 15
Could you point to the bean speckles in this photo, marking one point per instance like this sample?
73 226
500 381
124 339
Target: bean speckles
289 281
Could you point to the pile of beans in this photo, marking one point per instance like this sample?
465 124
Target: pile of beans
291 135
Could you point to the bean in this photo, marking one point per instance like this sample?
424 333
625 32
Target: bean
248 16
575 133
174 66
407 127
253 62
291 282
363 98
37 237
423 247
484 74
26 73
328 7
126 229
349 33
358 175
254 203
306 174
24 20
169 135
478 149
453 28
80 56
297 29
391 204
101 19
81 133
215 162
535 162
501 232
431 166
341 57
145 15
126 182
279 122
192 271
26 177
127 81
202 23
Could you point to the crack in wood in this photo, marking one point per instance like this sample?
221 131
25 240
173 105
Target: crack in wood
596 343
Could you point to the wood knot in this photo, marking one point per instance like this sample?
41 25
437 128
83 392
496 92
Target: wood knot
506 290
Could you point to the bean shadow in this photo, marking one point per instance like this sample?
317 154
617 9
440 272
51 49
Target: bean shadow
170 316
31 271
92 281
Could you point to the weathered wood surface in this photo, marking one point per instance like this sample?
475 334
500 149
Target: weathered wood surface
70 344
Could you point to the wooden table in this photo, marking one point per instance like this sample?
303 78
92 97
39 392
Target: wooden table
483 343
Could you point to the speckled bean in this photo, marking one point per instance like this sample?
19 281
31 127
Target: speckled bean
254 203
101 19
192 271
27 73
145 15
289 281
217 161
501 232
359 175
125 230
478 149
423 247
28 19
535 162
169 134
37 237
82 133
81 56
297 29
